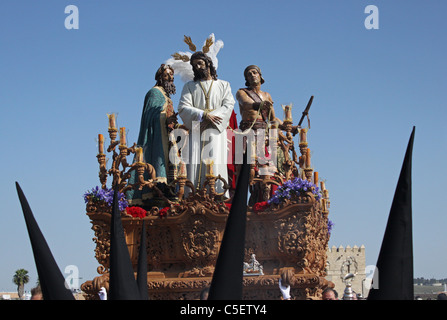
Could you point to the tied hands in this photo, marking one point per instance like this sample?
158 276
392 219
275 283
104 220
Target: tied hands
266 109
209 119
266 105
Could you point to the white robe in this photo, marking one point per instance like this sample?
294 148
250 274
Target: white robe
212 143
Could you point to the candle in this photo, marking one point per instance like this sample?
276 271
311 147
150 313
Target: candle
323 202
322 186
209 168
182 169
101 143
123 136
308 158
112 121
139 154
288 112
316 178
303 135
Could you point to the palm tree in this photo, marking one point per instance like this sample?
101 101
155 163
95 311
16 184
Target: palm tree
20 279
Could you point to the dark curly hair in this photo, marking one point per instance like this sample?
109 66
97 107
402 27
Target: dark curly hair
208 62
160 71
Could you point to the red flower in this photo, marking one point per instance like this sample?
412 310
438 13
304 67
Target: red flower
228 205
136 212
163 212
260 206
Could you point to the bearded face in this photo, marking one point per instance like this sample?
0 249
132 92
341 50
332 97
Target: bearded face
201 74
169 87
201 69
166 81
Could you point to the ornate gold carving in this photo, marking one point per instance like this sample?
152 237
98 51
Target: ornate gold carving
183 244
208 43
178 56
191 45
183 247
200 239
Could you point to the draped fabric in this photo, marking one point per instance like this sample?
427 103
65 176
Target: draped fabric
211 143
153 138
231 152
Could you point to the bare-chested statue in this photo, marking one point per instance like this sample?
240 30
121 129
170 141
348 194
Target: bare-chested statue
256 106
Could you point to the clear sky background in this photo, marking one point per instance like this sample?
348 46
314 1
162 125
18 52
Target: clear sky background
370 86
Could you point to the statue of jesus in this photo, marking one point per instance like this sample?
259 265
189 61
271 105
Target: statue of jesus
205 107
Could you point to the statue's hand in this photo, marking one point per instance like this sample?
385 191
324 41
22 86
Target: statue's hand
172 119
267 105
214 119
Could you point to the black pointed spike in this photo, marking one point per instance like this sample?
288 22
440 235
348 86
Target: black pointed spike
51 279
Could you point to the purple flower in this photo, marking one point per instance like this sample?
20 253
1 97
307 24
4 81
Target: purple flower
330 225
294 187
106 195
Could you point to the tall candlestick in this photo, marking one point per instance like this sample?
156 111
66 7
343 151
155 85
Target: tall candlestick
209 168
139 154
303 135
322 186
316 178
112 121
288 113
303 175
308 158
123 136
182 169
100 143
300 161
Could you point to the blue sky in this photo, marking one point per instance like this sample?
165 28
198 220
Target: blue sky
370 86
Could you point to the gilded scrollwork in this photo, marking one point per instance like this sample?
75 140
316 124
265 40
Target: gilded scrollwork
187 243
184 236
200 240
102 250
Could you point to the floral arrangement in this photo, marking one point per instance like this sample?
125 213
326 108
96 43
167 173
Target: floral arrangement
136 212
163 212
261 206
294 187
98 194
